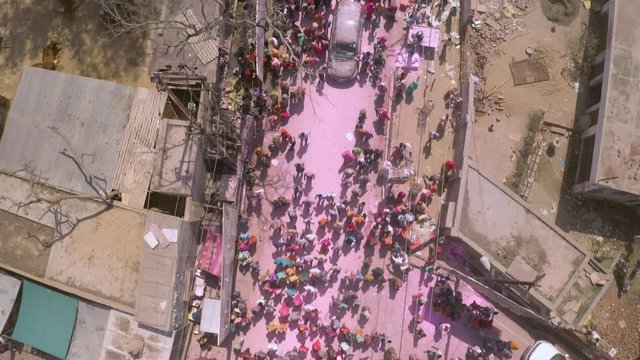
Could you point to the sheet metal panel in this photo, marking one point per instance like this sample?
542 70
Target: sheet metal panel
91 115
89 332
210 321
9 287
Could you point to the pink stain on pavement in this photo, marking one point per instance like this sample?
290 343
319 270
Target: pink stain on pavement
329 118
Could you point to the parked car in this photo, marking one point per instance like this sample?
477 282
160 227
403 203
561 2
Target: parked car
542 350
345 41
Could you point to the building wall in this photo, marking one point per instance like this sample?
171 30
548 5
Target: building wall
591 187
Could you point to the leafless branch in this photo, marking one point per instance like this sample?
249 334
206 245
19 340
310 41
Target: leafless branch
53 200
130 16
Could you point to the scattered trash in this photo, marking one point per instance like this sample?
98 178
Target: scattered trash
350 136
562 164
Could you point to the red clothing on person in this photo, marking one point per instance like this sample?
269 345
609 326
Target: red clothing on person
383 115
317 49
293 248
369 9
450 165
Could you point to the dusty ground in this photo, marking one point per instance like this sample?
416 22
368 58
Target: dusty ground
602 228
20 250
86 51
102 257
555 97
617 320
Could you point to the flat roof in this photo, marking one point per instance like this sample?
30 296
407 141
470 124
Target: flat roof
165 271
106 334
98 255
518 239
122 329
618 159
91 325
156 284
81 134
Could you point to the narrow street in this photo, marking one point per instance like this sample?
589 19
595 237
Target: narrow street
330 260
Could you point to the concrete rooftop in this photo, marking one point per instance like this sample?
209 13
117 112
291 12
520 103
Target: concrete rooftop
99 257
515 237
618 157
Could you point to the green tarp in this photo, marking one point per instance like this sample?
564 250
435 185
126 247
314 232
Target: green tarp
46 320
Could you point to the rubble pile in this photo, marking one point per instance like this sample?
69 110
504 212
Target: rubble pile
490 29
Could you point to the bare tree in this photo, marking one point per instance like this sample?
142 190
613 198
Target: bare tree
54 200
133 16
193 24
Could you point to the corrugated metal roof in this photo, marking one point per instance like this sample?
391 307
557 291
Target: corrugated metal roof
136 156
90 114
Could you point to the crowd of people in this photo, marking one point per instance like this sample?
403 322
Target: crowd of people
313 227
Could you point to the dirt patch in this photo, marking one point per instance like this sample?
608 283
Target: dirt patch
29 25
561 12
19 246
617 320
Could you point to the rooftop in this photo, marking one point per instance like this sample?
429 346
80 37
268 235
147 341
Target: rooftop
85 136
618 157
99 251
165 270
517 238
106 334
520 244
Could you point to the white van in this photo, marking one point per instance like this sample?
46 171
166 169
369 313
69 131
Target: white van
542 350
